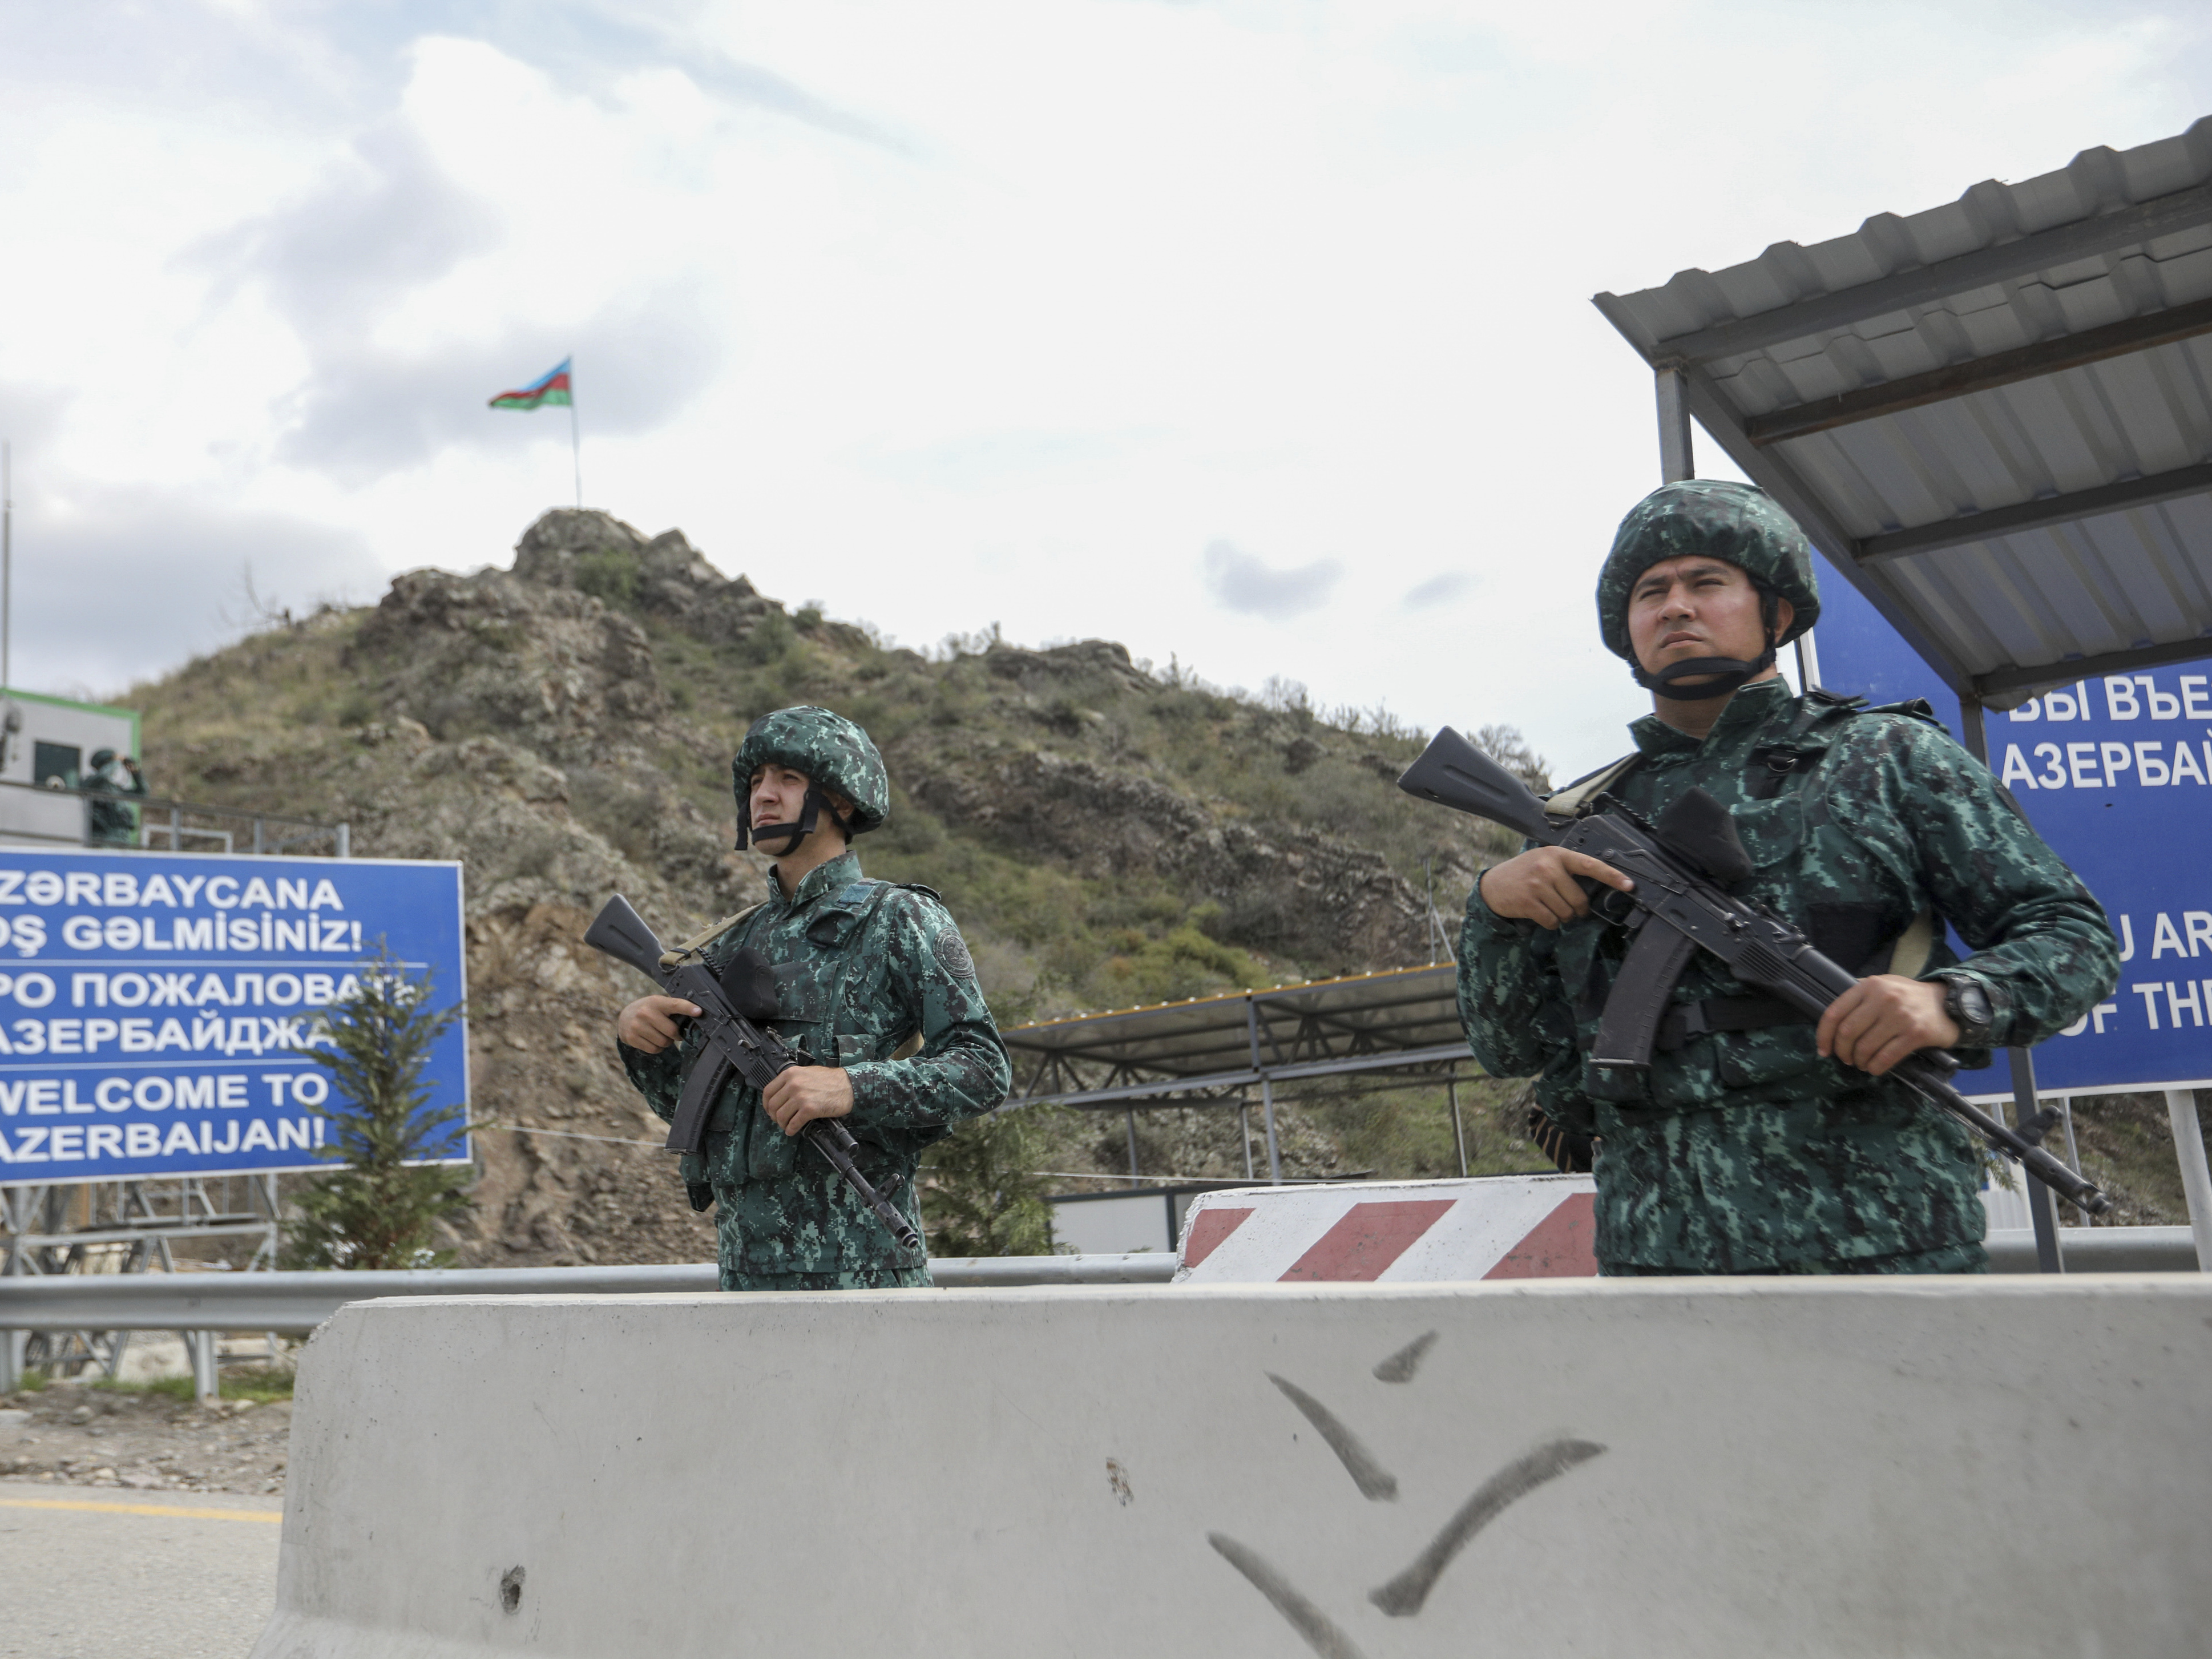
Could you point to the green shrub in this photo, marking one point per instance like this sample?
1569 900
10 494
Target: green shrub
610 574
382 1210
980 1190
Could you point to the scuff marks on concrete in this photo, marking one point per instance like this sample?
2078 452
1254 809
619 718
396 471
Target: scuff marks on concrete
1404 1595
1377 1484
1321 1632
1400 1366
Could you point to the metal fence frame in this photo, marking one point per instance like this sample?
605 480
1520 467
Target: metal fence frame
269 832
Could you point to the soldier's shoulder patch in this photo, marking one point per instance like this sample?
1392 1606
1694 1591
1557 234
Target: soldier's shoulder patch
951 952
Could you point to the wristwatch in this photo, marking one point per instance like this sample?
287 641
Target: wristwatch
1967 1002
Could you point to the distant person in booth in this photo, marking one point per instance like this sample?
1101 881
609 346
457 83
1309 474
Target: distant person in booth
1757 1141
111 822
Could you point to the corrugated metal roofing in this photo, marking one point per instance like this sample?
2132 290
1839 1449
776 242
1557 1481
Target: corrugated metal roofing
1783 355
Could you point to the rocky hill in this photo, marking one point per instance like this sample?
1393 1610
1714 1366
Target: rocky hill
1107 833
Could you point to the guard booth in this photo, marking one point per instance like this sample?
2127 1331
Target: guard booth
49 743
46 746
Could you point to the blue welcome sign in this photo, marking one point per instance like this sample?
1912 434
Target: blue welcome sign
2116 773
152 1006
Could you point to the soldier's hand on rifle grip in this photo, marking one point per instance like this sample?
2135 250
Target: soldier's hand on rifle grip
650 1023
1546 885
796 1097
1882 1019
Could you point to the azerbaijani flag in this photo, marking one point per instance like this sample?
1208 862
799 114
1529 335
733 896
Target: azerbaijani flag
550 387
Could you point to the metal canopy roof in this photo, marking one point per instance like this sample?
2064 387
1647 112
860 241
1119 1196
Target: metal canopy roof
1995 417
1397 1020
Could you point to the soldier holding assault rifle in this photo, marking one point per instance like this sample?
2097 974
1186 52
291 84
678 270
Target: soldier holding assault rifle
1747 1037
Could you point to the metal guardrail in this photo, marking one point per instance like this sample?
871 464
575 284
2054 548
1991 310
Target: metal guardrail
294 1302
2099 1250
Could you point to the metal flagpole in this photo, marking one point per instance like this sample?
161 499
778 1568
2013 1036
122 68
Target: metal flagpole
575 439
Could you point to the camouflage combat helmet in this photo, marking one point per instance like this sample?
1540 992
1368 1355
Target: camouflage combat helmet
1734 523
832 753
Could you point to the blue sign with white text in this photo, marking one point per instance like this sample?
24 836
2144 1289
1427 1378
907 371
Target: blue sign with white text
151 1003
2116 773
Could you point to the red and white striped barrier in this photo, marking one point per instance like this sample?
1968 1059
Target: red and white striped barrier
1393 1232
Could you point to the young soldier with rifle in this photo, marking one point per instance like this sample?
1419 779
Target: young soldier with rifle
837 1029
1776 1109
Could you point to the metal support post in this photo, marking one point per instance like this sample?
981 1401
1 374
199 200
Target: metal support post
201 1346
1808 662
1459 1134
12 1345
1676 462
1131 1114
1266 1092
2072 1156
2196 1180
2042 1203
1244 1132
345 840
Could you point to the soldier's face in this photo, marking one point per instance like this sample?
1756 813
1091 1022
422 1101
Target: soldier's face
778 795
1697 607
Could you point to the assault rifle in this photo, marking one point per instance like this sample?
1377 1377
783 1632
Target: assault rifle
1681 866
734 1043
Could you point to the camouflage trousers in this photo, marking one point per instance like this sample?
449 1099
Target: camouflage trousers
1944 1259
874 1278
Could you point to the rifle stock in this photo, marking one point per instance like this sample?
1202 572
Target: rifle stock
1454 773
623 934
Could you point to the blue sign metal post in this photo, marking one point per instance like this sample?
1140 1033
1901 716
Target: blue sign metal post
151 1006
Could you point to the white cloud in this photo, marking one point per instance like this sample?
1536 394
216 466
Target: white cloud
1239 582
1439 591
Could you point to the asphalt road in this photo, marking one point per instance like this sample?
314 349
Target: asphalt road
97 1573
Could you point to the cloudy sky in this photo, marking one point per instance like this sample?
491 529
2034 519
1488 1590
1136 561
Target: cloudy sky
1255 335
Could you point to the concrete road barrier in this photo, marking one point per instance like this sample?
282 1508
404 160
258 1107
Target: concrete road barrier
1963 1466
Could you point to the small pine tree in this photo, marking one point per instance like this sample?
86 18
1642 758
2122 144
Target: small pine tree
980 1193
382 1210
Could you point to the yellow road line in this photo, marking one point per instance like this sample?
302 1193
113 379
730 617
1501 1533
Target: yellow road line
139 1509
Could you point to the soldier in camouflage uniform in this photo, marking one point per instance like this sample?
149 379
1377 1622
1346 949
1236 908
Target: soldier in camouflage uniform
1756 1142
877 985
109 822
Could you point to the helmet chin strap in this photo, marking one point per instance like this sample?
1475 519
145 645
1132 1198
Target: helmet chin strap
810 814
1722 677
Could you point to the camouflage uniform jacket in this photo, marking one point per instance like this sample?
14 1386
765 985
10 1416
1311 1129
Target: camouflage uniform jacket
875 964
110 822
1747 1149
